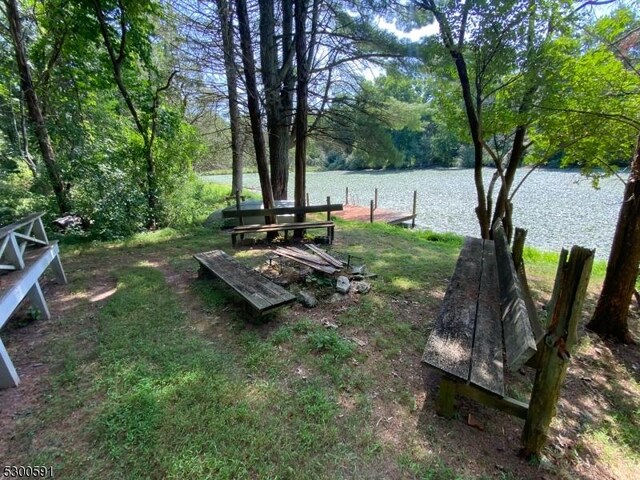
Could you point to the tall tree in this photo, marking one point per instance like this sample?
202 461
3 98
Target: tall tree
593 121
621 36
115 31
497 50
610 318
276 59
34 106
225 17
303 54
253 100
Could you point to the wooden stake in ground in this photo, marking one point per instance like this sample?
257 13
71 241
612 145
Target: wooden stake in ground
555 350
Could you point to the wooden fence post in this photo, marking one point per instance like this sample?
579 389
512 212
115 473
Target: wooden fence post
518 246
375 205
371 212
346 196
569 290
415 206
307 204
328 211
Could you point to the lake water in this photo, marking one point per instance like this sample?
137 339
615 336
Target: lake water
558 208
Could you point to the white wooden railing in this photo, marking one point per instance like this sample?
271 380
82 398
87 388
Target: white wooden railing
25 253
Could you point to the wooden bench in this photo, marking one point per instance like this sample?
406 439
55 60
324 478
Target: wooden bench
25 253
486 311
241 214
260 293
488 320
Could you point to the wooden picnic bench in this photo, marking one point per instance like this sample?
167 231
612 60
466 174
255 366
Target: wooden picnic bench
270 213
260 293
25 253
488 320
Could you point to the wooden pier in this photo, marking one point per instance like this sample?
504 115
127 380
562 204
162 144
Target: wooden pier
374 214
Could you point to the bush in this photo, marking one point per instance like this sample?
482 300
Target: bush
17 198
192 202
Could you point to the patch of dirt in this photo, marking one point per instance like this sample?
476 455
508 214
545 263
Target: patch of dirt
28 346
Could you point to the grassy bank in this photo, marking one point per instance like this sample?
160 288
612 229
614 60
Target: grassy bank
146 371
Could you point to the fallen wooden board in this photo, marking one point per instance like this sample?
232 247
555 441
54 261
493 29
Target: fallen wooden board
316 266
331 260
306 256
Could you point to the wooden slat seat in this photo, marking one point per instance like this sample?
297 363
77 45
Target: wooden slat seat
282 227
483 325
260 293
270 219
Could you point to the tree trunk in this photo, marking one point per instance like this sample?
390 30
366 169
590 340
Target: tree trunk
278 87
610 318
225 17
301 7
117 59
254 105
475 128
34 107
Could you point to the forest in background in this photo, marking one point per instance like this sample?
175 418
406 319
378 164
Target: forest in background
134 96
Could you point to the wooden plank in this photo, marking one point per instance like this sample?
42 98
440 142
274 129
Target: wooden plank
486 360
571 288
260 212
276 227
305 255
536 326
449 345
331 260
508 405
261 293
519 341
316 266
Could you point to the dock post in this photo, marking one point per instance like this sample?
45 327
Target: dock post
415 204
375 205
307 200
328 211
346 196
371 213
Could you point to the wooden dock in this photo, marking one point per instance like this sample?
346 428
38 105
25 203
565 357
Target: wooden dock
364 214
374 214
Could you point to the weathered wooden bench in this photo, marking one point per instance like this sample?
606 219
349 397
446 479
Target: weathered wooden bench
487 320
486 311
25 253
260 293
269 213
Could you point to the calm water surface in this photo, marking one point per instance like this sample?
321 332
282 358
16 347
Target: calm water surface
558 208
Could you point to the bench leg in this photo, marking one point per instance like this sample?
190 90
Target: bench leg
57 267
446 397
233 239
8 375
36 297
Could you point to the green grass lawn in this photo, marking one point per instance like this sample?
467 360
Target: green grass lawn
154 373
